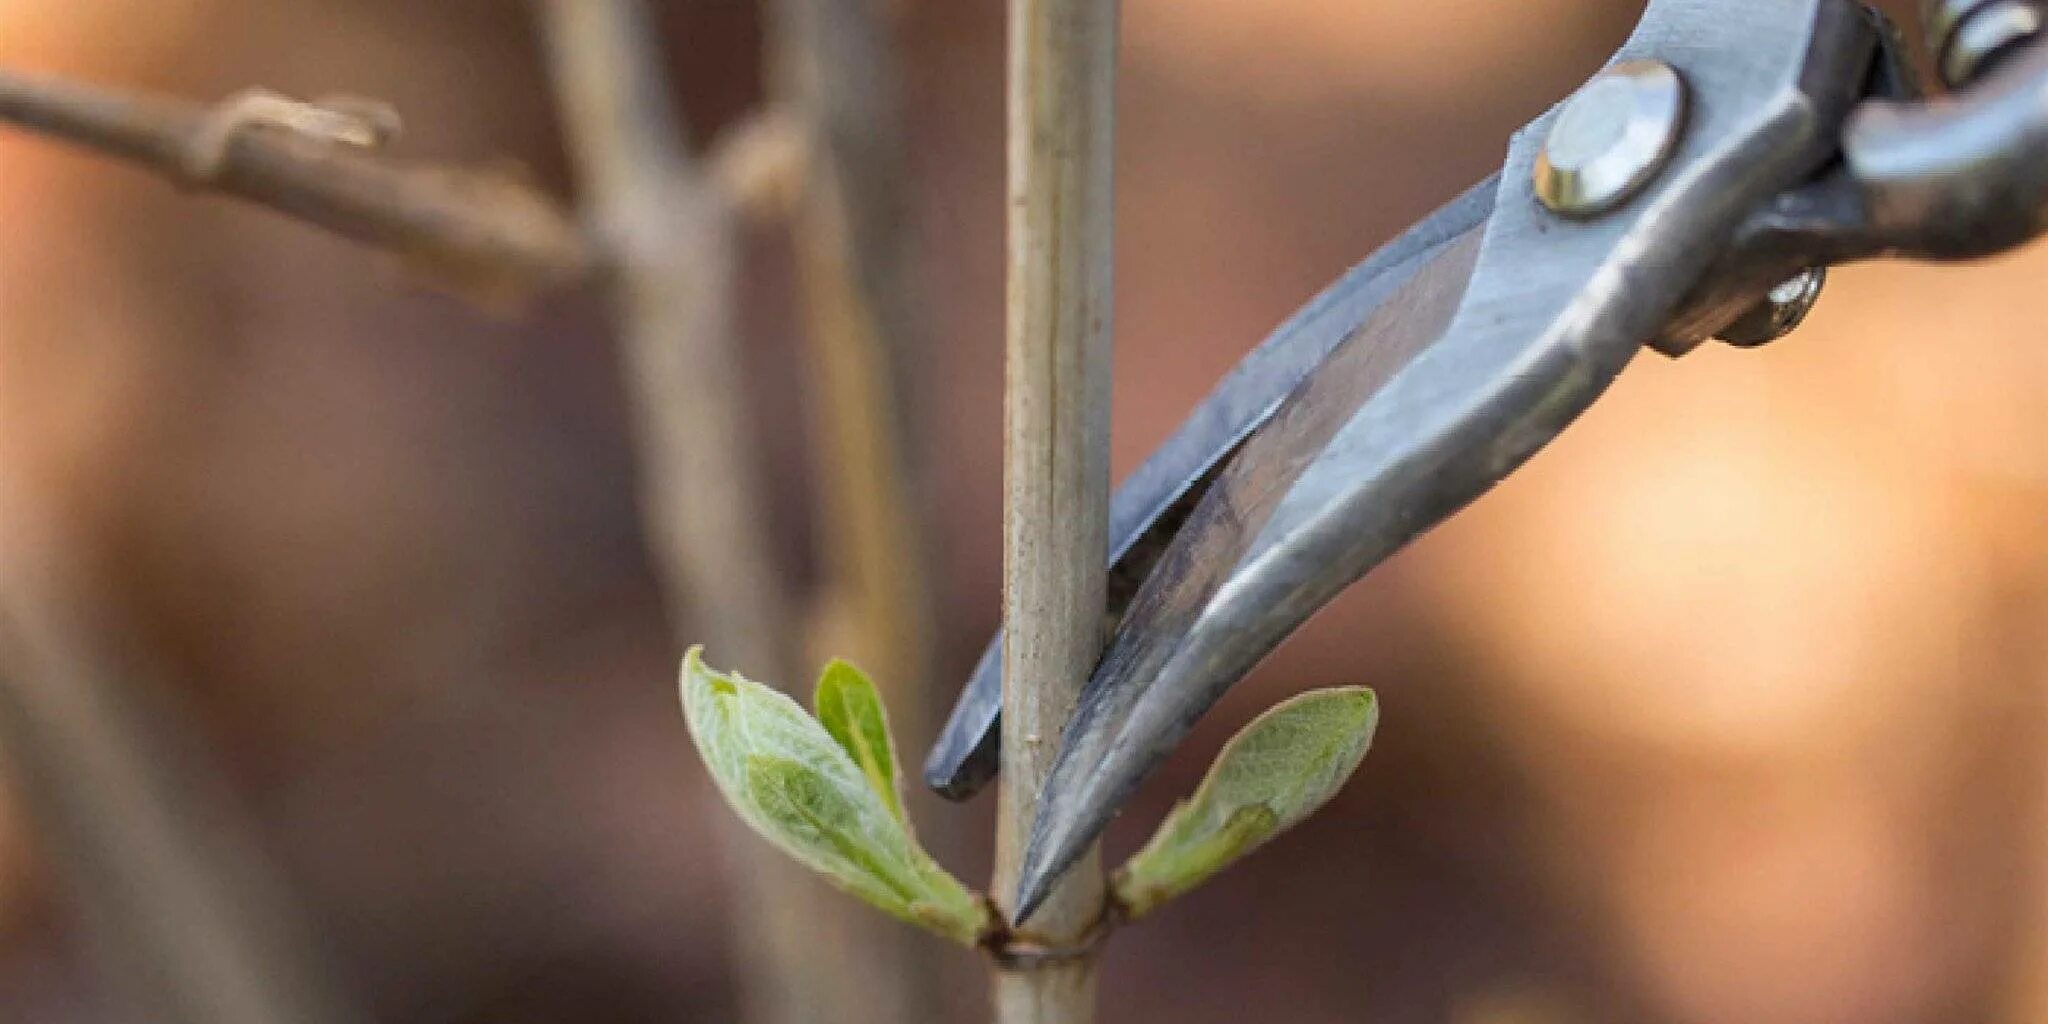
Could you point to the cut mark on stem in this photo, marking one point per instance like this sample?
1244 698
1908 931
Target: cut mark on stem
1009 948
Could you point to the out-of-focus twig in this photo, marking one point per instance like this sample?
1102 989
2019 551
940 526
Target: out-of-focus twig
1062 74
485 229
164 868
671 234
758 163
671 239
833 80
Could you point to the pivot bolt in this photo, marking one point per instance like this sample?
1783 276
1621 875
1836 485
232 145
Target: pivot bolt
1966 37
1781 310
1611 138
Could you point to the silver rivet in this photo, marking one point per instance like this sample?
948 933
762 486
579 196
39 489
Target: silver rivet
1939 19
1982 32
1781 310
1610 138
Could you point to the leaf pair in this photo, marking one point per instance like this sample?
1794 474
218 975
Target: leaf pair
825 790
828 793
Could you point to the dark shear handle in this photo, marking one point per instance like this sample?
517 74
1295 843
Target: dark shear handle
1962 175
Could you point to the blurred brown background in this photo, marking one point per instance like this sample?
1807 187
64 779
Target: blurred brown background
1729 708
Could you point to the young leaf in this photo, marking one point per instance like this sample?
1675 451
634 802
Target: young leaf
790 781
852 713
1282 767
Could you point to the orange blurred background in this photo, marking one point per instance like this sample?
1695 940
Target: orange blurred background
1728 708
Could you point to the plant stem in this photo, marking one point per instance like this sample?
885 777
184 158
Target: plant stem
672 235
488 230
833 81
1062 73
834 76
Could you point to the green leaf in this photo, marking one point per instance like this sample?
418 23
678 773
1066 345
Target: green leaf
795 785
1282 767
852 713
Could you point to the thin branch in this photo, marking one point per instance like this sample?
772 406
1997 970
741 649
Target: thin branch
486 230
166 869
1062 74
759 163
672 233
832 75
672 236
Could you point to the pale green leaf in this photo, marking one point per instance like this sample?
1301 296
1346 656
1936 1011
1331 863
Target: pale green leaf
790 781
1277 771
852 713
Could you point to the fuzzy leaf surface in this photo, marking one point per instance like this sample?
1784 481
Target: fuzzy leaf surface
792 782
1275 772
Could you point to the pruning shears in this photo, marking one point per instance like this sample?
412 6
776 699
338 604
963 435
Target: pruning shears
1696 187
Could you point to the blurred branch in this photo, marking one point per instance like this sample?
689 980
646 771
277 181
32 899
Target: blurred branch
1062 102
802 951
485 229
759 164
162 864
672 238
832 70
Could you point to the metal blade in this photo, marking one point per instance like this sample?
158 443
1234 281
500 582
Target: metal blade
1249 564
1151 504
1489 351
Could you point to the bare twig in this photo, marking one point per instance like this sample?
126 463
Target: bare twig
1062 73
833 74
164 868
486 230
672 242
672 235
833 69
758 164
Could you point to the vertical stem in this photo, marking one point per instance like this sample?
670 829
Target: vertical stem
1062 72
672 242
672 238
833 77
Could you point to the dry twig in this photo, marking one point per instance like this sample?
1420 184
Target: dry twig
486 230
1062 72
671 232
832 76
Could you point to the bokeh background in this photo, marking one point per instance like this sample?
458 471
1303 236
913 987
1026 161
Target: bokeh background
1728 708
